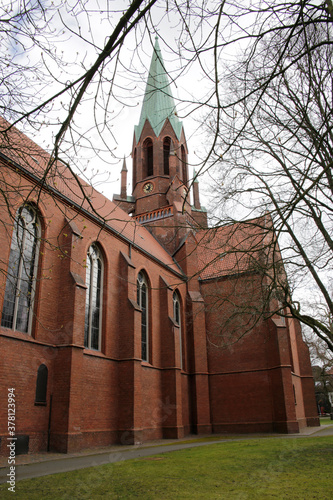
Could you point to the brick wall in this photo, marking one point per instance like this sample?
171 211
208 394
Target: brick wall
99 398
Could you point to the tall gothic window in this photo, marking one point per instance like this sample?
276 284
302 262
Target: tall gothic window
148 158
166 154
93 315
177 320
142 300
134 168
22 271
184 165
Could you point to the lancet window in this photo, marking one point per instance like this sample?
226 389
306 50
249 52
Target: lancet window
18 303
93 312
142 300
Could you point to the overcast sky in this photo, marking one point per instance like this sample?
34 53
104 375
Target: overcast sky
124 105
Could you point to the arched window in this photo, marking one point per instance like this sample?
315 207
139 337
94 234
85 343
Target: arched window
177 320
22 271
93 315
166 154
184 166
148 158
41 385
142 300
134 167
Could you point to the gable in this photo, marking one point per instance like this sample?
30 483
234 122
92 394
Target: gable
232 249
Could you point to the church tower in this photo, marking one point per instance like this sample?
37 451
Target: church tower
160 198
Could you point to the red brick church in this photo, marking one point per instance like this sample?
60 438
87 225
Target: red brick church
109 332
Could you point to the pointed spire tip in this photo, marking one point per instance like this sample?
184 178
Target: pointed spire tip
124 168
158 103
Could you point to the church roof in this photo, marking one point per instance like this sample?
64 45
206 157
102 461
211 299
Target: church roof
158 104
233 249
20 151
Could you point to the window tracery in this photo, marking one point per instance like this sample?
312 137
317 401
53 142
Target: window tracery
142 300
22 271
93 312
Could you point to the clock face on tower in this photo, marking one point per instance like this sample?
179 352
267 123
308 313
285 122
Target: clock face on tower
148 187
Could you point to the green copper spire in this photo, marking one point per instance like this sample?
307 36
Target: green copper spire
158 103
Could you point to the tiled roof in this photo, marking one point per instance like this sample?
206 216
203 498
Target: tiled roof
16 146
158 103
231 249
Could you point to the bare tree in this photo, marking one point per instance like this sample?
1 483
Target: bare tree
72 70
322 369
273 153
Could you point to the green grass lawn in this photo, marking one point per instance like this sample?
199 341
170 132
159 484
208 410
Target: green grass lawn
326 421
280 468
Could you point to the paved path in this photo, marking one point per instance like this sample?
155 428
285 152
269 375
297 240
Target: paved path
36 465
